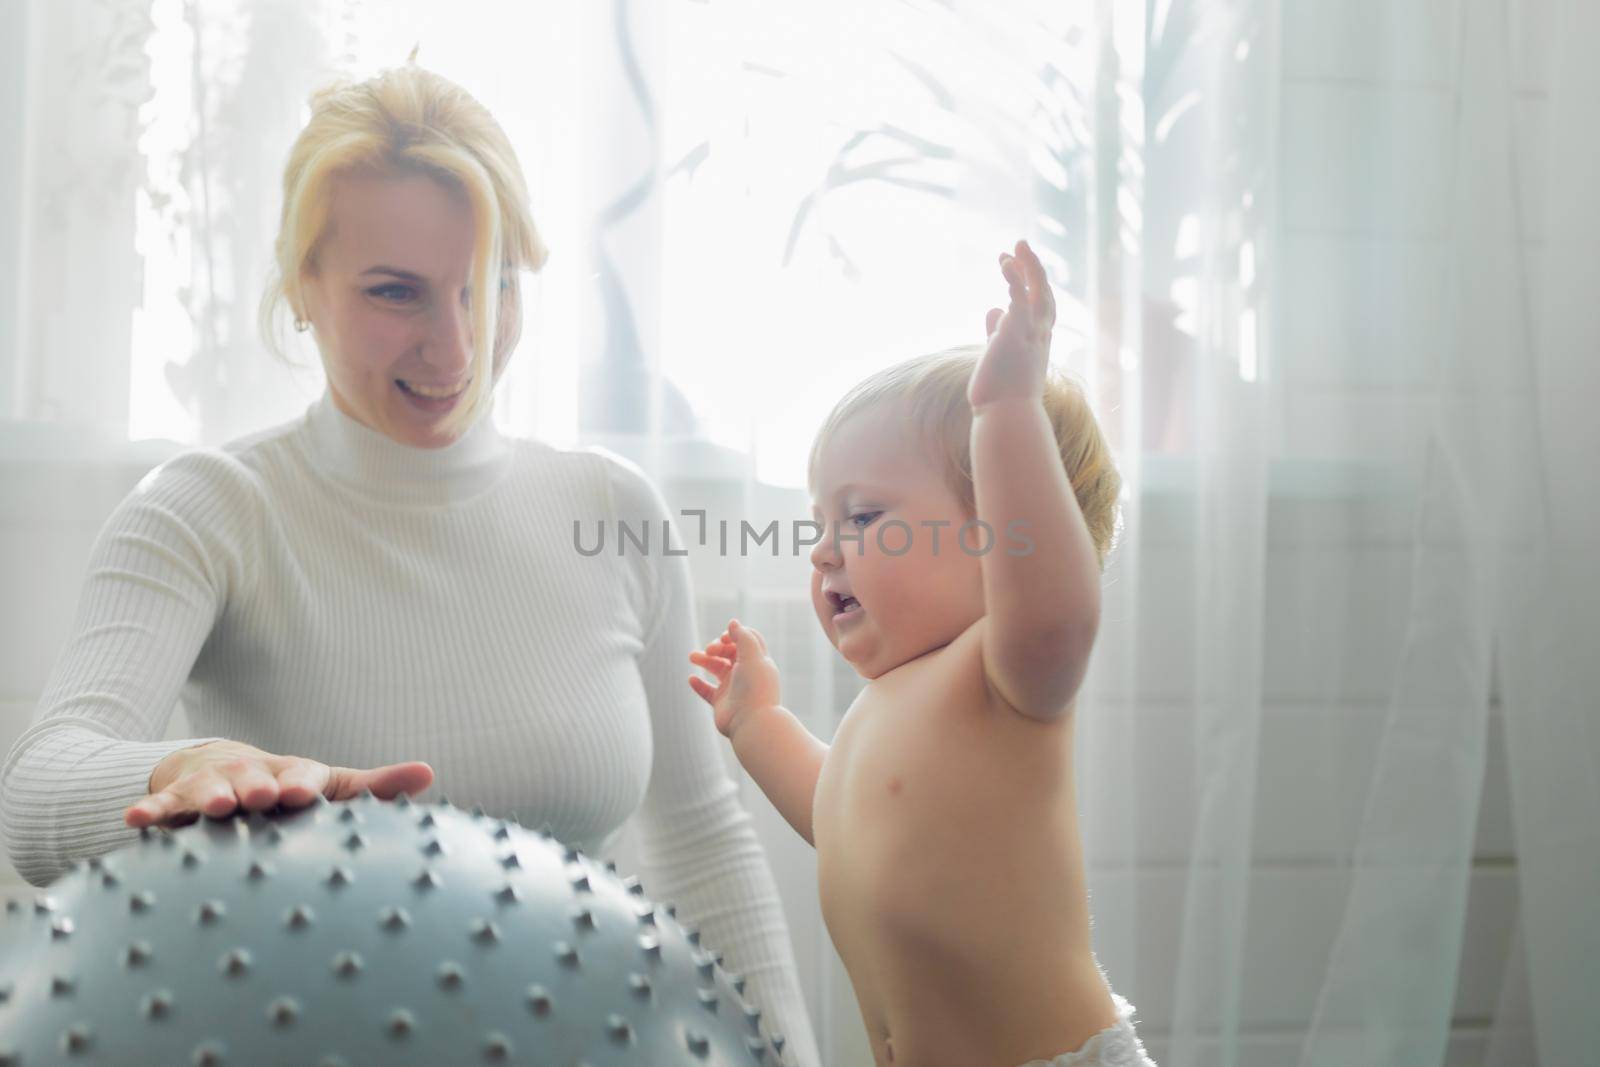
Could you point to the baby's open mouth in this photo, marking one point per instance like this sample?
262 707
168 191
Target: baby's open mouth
843 606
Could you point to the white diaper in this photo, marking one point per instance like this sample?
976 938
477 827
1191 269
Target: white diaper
1115 1046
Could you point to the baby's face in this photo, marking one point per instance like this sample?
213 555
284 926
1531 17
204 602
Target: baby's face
876 479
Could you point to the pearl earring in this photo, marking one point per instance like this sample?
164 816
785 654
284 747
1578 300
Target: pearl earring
301 325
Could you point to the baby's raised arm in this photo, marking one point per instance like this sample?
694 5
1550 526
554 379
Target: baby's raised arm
773 746
1041 600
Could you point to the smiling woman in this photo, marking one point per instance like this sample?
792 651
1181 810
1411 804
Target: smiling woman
382 594
398 351
404 359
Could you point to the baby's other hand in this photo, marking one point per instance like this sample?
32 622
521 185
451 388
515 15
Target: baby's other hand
747 679
1015 363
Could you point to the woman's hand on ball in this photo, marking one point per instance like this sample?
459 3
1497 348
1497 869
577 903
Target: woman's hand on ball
215 778
747 679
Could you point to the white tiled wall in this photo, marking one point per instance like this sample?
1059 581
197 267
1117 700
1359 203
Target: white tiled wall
1369 117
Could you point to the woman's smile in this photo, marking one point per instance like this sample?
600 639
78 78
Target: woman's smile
430 400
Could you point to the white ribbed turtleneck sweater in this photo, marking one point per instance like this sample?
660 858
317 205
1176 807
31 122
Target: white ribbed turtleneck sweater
318 589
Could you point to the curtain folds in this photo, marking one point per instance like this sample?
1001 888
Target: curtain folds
1327 272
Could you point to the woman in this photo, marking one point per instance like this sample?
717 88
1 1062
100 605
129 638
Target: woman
388 577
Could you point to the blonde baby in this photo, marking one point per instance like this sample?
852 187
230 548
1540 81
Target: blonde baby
967 502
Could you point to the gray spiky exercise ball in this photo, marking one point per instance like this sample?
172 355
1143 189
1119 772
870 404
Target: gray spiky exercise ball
358 933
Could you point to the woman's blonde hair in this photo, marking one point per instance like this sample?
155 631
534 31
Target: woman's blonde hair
403 121
933 390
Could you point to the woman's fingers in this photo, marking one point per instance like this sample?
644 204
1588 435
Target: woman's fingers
214 795
301 782
256 781
152 810
254 786
144 813
385 782
341 783
210 791
202 793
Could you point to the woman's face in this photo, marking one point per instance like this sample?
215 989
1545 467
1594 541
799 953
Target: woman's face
388 299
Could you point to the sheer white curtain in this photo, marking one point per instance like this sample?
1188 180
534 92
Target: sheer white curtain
1326 269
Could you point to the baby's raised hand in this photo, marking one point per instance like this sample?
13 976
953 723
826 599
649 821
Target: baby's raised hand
747 679
1013 366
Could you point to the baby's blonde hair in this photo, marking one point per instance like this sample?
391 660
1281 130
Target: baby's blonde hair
404 121
934 390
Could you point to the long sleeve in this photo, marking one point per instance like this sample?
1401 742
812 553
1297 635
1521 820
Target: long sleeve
159 576
698 847
322 590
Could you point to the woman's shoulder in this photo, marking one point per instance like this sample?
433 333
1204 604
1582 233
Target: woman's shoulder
202 505
202 473
228 483
260 464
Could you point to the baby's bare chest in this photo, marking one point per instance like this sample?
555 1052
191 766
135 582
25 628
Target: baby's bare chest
932 799
929 777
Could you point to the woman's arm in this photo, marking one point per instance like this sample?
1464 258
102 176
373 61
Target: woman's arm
697 845
159 574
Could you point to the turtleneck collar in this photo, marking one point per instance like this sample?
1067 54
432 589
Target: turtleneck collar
377 466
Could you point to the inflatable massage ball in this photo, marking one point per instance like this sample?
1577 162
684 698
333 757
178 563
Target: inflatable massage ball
368 932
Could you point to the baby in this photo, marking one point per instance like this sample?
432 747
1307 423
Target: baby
948 857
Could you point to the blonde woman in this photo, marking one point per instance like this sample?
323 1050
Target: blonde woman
387 579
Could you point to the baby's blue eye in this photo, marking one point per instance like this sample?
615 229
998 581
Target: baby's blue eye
868 515
380 290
